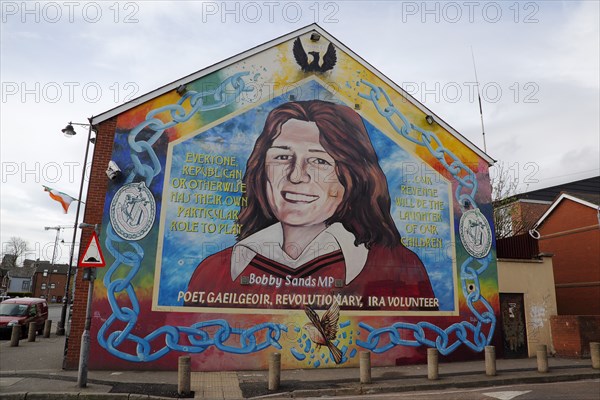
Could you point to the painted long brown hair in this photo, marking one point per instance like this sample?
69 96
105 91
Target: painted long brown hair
365 208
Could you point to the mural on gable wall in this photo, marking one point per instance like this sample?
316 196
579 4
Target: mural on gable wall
292 201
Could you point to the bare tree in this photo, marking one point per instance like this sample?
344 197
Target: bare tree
512 216
508 213
15 248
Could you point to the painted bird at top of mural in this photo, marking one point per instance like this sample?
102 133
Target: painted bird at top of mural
323 331
329 59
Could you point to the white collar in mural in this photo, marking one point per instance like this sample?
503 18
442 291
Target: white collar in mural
268 243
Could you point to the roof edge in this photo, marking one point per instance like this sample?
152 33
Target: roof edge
556 202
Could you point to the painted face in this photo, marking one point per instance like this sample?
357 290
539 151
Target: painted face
302 185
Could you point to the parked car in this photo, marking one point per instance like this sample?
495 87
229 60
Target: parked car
22 311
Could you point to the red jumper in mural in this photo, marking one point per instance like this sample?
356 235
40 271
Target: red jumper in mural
318 220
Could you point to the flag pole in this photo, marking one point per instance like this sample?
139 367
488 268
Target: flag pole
479 98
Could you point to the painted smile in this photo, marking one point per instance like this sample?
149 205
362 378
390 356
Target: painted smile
298 197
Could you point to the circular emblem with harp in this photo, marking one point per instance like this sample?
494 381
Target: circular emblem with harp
475 233
132 211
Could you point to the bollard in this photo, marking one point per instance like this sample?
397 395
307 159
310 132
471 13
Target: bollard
32 329
15 335
365 367
184 375
542 358
274 371
595 353
47 327
432 364
490 360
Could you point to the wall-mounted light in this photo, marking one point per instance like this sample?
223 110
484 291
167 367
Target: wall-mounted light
315 37
69 131
181 90
429 119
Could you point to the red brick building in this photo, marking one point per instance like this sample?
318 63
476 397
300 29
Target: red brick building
570 231
565 218
49 281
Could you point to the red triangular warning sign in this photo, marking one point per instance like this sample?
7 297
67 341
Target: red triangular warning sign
92 257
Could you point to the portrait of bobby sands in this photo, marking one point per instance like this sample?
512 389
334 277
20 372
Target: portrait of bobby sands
317 222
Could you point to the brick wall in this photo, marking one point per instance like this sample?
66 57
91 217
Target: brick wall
93 215
571 233
59 281
572 334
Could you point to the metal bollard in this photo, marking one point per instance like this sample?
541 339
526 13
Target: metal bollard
32 329
432 364
490 360
365 367
47 327
542 358
595 353
274 371
184 375
15 335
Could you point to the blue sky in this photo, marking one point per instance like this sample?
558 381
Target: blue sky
537 64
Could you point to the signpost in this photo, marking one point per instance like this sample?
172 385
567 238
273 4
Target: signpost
92 258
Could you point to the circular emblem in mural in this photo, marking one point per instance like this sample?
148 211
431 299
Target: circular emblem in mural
475 233
132 211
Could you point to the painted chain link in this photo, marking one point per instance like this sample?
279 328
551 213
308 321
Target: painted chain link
208 100
198 336
467 182
129 255
406 334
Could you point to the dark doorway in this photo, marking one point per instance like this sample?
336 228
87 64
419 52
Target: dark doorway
513 325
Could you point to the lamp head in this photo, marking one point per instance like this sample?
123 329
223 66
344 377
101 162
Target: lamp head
69 131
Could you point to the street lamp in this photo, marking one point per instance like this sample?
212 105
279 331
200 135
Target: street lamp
69 131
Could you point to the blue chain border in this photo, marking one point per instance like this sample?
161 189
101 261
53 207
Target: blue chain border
198 339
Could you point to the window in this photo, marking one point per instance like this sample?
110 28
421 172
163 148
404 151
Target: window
43 287
52 286
45 272
25 285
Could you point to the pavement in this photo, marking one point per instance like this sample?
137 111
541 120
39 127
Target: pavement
33 370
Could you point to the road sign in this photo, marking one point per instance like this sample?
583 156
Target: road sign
92 257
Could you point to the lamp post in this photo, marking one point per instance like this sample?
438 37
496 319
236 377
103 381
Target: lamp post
47 228
70 132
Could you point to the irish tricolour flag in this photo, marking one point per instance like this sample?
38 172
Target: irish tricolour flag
64 199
